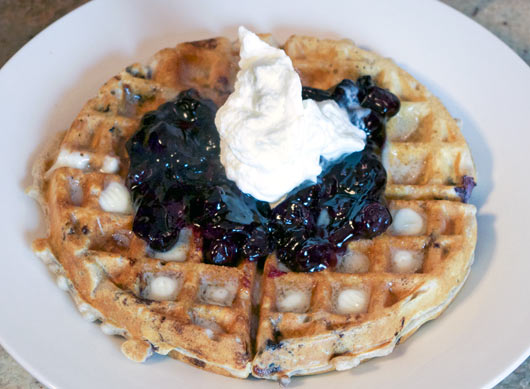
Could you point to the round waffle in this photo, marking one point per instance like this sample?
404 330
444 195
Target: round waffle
238 320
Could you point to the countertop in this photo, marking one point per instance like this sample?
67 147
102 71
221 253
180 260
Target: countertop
21 20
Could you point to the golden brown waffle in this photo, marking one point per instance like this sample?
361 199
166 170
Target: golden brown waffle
426 157
319 336
97 257
207 321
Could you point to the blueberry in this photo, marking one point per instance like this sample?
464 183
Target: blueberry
257 244
289 242
152 225
315 94
381 101
314 254
466 188
176 214
346 95
290 213
364 83
359 174
220 252
341 234
186 107
373 125
373 219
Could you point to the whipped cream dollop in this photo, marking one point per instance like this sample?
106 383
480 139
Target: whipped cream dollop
271 139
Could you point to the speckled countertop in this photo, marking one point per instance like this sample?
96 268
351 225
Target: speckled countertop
21 20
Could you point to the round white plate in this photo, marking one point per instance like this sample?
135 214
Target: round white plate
483 335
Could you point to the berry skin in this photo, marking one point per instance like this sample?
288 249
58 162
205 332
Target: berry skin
372 220
364 83
152 225
315 94
220 252
464 191
315 254
381 101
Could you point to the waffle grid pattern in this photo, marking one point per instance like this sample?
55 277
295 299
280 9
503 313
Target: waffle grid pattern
447 227
101 243
425 155
106 266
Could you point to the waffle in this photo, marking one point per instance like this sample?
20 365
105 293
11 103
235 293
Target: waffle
238 320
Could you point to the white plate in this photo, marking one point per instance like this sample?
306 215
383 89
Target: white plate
483 335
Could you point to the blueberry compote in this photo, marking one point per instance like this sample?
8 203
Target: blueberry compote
368 106
177 180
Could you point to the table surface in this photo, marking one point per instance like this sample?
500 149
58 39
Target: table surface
21 20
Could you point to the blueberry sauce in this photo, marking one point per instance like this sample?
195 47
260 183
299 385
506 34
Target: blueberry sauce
314 223
177 180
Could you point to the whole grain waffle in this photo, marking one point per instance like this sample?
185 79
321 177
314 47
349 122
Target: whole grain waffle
210 317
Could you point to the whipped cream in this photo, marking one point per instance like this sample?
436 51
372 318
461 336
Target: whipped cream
271 139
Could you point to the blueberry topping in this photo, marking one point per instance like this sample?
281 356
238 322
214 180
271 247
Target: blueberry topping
152 224
359 175
367 105
364 83
381 101
220 252
345 204
314 254
373 125
373 218
177 180
257 244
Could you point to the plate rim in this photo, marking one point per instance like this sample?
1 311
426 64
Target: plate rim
37 374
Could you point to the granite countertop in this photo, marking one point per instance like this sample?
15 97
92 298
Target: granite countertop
21 20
